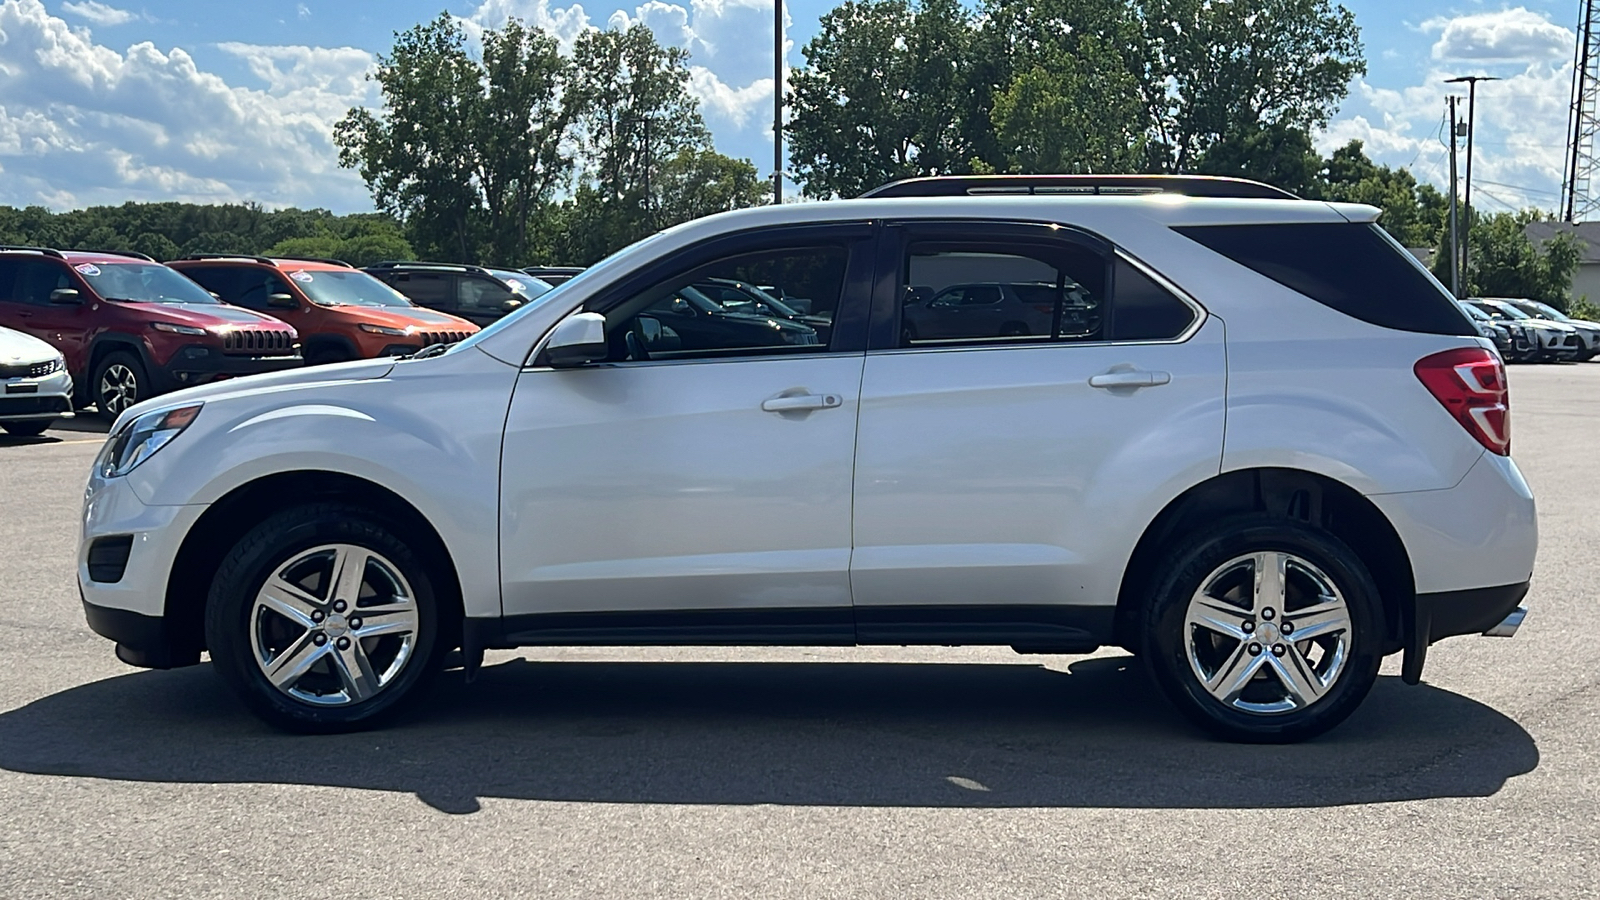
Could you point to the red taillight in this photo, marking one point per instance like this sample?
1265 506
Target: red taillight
1471 383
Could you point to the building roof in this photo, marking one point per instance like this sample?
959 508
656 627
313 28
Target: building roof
1587 233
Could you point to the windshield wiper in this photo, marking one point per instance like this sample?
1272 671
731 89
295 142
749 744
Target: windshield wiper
431 350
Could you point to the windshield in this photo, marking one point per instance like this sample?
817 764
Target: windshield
1474 312
142 283
1548 311
521 283
341 287
1504 311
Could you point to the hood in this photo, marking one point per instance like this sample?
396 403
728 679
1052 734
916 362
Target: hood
16 347
780 324
1547 325
405 317
1585 324
207 315
358 370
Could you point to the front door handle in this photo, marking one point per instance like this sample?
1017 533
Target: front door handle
1133 378
802 402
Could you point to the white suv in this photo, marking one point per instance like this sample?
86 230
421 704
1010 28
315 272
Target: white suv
1276 453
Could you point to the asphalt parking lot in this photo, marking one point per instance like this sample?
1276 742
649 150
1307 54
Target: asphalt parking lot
805 773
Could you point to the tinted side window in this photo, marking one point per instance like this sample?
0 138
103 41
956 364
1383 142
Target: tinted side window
427 288
1142 310
1348 266
717 310
10 268
255 286
481 294
220 280
32 280
972 292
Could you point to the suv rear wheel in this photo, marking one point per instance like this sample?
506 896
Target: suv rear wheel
118 382
1264 629
323 619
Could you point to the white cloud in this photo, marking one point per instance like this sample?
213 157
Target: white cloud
302 11
82 123
1510 35
99 13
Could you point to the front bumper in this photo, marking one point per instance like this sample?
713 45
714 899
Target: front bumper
143 641
200 364
23 399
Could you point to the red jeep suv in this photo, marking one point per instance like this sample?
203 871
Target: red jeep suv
132 328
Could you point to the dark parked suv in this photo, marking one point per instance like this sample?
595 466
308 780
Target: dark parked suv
131 328
476 293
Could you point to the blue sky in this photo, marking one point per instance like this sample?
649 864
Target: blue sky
102 102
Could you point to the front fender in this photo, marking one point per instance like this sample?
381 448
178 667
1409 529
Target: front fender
430 433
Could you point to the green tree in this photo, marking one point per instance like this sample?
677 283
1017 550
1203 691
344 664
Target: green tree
1215 69
888 92
1277 154
463 150
1416 213
698 182
1502 262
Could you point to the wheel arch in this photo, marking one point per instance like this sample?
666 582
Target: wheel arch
102 346
235 513
1294 493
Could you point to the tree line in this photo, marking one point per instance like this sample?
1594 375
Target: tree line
510 150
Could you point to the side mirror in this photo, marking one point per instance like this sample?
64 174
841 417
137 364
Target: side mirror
66 296
511 305
577 340
282 301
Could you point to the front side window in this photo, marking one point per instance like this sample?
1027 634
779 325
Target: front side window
711 312
31 281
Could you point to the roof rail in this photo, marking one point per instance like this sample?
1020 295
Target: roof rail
259 259
318 259
415 264
1079 185
42 251
131 254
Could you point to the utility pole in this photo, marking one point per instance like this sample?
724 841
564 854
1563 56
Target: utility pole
1455 239
1471 81
777 101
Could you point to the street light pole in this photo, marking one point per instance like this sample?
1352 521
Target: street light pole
1471 81
777 101
1455 240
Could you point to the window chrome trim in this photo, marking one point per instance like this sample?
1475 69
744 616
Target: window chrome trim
648 363
1201 316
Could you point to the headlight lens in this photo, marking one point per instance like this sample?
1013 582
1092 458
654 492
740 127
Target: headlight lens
383 329
174 328
140 439
59 364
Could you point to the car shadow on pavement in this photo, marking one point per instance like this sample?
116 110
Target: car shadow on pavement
820 733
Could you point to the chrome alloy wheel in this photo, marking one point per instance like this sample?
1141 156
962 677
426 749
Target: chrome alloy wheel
1268 633
119 389
334 625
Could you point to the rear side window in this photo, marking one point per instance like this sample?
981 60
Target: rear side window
1349 266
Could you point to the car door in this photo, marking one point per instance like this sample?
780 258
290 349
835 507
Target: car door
695 489
1008 477
65 326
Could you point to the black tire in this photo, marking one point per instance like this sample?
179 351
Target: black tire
265 551
119 380
1165 634
32 428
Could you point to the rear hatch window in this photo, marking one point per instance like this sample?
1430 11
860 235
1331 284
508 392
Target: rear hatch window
1353 267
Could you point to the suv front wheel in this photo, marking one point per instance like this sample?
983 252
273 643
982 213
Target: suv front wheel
1264 629
118 382
323 619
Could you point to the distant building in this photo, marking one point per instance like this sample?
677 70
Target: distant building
1586 281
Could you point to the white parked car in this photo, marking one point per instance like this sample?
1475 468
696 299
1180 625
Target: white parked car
1277 454
35 389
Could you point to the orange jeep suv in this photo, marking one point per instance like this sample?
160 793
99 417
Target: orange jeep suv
341 312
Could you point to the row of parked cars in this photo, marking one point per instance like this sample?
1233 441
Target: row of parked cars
112 328
1530 331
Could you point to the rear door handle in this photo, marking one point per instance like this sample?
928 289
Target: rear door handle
802 402
1131 379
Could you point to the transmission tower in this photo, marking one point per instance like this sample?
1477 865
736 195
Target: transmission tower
1578 200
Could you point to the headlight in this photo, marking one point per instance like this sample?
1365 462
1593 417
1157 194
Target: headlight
59 364
384 329
140 439
173 328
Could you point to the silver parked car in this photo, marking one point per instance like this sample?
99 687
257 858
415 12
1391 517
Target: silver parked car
35 388
1588 332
